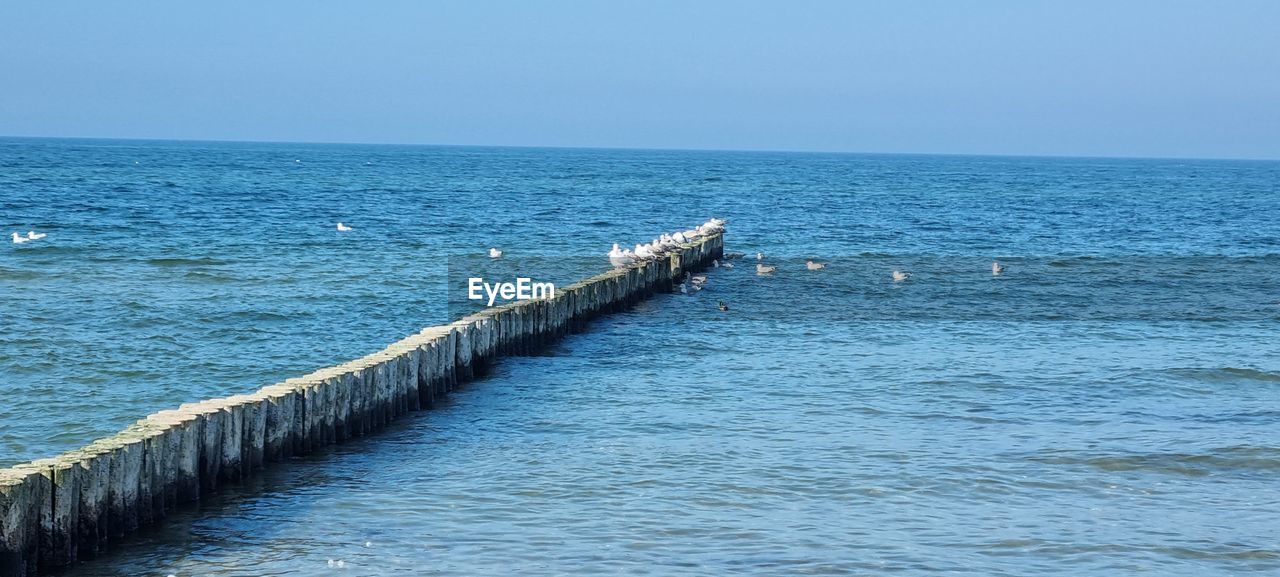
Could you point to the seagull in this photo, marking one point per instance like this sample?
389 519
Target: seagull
684 289
815 265
19 239
698 280
899 276
343 228
765 269
495 253
33 235
727 265
759 256
722 306
715 263
619 257
996 268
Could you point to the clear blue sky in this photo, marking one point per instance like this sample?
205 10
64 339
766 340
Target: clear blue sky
1069 77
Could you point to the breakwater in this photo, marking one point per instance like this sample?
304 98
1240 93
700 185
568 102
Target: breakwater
56 511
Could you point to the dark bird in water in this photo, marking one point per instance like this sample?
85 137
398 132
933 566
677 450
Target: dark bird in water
723 306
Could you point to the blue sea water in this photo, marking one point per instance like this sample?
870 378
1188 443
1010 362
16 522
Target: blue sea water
1110 405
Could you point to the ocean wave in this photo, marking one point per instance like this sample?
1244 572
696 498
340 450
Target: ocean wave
1211 462
185 261
18 274
1226 375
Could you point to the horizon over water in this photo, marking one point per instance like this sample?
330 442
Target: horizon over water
1065 156
1107 406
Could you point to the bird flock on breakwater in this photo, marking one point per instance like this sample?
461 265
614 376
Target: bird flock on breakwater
665 243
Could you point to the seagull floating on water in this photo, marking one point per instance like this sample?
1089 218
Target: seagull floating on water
19 239
759 256
815 265
495 253
343 228
33 235
996 268
765 269
899 276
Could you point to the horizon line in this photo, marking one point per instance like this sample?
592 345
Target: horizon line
644 148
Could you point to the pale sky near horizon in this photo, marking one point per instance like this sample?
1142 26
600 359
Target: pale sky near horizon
1094 78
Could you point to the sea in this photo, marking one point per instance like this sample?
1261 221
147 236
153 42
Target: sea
1109 405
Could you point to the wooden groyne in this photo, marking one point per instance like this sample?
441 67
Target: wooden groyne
56 511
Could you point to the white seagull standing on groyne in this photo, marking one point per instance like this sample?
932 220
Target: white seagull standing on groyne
619 257
495 253
343 228
665 243
997 269
19 239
